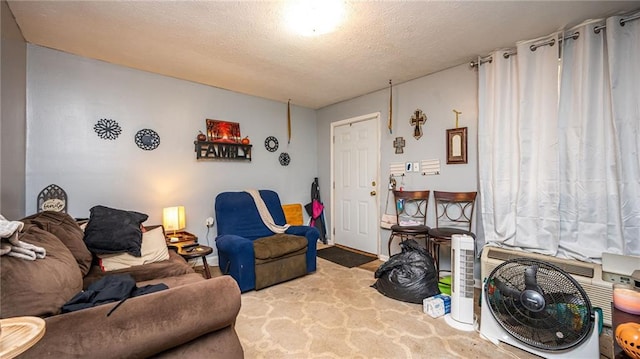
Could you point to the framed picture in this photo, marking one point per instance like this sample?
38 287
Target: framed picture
223 131
457 145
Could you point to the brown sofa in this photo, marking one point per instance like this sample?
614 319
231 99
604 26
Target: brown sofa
194 318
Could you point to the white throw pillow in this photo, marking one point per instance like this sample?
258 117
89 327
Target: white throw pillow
153 249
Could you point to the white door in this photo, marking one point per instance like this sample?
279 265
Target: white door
355 179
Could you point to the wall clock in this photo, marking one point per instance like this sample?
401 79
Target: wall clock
284 159
271 144
147 139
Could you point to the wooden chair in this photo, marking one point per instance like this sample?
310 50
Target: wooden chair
454 211
411 215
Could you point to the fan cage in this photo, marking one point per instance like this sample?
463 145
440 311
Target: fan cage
564 322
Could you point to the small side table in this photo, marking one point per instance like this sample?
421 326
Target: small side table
198 251
19 334
182 236
618 317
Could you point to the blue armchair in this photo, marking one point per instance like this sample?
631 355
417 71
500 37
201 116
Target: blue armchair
240 225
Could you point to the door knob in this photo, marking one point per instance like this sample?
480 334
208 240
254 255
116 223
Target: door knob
373 193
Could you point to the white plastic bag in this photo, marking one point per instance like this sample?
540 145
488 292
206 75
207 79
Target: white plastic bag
387 220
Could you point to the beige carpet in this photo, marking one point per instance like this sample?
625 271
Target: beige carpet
334 313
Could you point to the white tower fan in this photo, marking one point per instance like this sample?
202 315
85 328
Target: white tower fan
462 260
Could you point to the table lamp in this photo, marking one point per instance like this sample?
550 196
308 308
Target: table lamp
173 219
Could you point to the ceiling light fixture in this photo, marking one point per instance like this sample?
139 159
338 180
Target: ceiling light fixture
314 17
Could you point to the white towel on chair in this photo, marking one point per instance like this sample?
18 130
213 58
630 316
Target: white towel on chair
267 219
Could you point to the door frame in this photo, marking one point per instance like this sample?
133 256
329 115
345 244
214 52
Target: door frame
371 116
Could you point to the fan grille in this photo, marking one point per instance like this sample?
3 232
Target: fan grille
564 322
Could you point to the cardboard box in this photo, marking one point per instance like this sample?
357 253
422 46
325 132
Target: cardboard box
437 306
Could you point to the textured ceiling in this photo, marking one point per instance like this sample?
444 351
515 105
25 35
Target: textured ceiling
245 47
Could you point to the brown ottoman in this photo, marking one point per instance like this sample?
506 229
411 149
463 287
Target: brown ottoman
279 258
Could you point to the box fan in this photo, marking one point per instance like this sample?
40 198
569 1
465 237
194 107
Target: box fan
538 307
590 276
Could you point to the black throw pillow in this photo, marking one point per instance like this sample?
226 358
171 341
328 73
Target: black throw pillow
114 231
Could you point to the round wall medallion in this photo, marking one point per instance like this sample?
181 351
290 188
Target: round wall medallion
284 159
147 139
107 129
271 144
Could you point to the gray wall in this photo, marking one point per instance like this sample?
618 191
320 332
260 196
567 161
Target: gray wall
436 95
68 94
13 64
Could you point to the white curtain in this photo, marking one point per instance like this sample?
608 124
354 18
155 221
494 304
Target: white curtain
624 59
498 163
537 205
589 202
559 167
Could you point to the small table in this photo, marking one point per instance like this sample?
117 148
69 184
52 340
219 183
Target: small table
198 251
181 236
19 334
618 317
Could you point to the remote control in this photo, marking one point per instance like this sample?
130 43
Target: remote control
189 245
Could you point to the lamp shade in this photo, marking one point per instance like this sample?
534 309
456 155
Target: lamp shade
173 218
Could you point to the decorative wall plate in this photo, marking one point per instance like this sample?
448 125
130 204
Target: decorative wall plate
284 159
147 139
271 144
107 129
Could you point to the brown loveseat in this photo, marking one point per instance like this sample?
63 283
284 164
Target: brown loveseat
194 318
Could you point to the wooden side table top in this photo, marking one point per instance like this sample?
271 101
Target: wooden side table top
195 252
182 236
19 334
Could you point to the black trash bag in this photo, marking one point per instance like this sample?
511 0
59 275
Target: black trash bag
409 276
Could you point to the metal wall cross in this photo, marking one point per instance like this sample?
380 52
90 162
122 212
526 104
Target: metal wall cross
399 144
417 119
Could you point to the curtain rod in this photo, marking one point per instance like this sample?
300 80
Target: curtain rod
622 21
552 42
482 60
533 47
